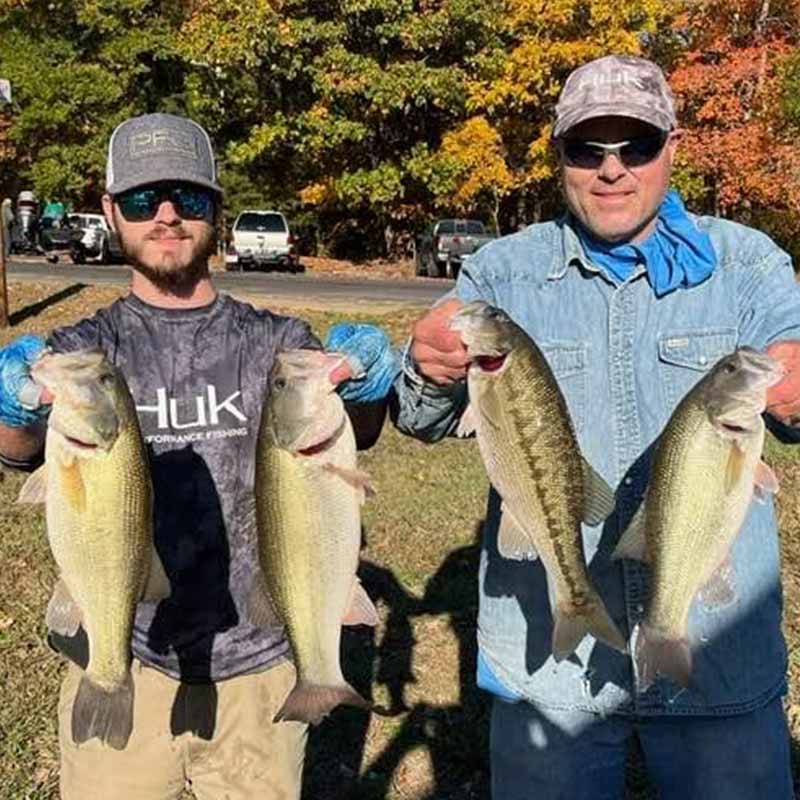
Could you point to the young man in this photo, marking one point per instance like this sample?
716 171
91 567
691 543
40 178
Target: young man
207 683
632 300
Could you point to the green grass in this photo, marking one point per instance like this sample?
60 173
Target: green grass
419 563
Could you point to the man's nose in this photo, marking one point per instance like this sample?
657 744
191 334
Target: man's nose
166 213
612 168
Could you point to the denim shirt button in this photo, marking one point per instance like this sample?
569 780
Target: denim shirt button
628 480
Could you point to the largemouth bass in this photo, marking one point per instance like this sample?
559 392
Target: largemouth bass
531 455
308 506
706 466
95 483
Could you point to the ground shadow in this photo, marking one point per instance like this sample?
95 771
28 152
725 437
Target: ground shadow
455 736
36 308
336 747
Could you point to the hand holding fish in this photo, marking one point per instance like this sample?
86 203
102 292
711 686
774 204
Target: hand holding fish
783 399
437 350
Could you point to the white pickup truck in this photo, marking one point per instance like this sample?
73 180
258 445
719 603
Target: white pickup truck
261 239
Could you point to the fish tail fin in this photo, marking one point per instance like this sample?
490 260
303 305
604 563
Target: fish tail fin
309 702
659 653
570 626
102 714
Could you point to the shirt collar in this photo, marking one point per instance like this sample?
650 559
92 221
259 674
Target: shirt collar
572 253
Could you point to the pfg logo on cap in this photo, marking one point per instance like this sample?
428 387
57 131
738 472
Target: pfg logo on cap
162 141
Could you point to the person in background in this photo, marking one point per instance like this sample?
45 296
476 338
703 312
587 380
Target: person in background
6 220
207 683
632 300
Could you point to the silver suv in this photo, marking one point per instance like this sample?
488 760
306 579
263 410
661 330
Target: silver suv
98 241
261 239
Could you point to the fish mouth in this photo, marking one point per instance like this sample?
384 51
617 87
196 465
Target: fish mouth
80 444
76 444
322 446
490 363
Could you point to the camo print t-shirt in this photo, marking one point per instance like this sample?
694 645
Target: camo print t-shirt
198 378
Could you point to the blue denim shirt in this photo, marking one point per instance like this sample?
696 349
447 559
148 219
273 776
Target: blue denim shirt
623 359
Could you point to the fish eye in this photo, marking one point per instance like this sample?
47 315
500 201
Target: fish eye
279 383
107 380
729 368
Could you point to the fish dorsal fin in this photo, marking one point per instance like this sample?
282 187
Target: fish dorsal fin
734 467
63 615
356 478
259 608
598 498
34 490
467 425
720 589
158 586
362 610
766 482
633 542
512 540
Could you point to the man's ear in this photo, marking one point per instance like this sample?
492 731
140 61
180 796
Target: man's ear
108 210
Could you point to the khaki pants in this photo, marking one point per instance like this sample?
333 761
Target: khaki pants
248 756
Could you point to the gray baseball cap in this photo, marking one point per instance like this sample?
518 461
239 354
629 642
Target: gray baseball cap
616 86
159 147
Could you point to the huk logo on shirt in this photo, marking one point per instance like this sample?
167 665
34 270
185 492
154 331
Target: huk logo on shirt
204 411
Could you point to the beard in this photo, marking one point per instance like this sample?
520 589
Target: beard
172 273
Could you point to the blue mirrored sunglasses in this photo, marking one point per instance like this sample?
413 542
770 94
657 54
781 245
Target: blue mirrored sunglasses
189 200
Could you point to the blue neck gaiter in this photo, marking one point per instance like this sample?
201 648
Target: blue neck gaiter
677 254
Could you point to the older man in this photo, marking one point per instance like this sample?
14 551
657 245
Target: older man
632 300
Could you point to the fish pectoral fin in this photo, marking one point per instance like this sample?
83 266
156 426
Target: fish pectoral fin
512 540
633 542
158 586
490 408
598 497
720 589
356 478
734 467
259 608
467 425
766 482
34 490
63 616
362 610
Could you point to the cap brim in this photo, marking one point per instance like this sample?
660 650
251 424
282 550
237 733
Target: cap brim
118 187
641 113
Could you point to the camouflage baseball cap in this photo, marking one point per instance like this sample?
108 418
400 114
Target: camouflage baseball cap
616 86
159 147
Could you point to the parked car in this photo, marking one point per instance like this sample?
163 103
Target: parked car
261 239
442 248
98 241
58 234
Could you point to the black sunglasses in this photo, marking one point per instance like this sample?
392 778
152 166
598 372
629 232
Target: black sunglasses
633 153
190 201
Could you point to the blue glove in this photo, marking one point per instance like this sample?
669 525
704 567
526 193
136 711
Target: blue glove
370 354
15 381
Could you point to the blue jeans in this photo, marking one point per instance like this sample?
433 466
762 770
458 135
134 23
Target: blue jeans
574 755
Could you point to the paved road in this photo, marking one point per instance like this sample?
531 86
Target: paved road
420 292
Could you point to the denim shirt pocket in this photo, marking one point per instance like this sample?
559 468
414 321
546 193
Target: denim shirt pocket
567 358
685 356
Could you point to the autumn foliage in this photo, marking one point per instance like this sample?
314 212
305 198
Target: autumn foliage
368 118
740 154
